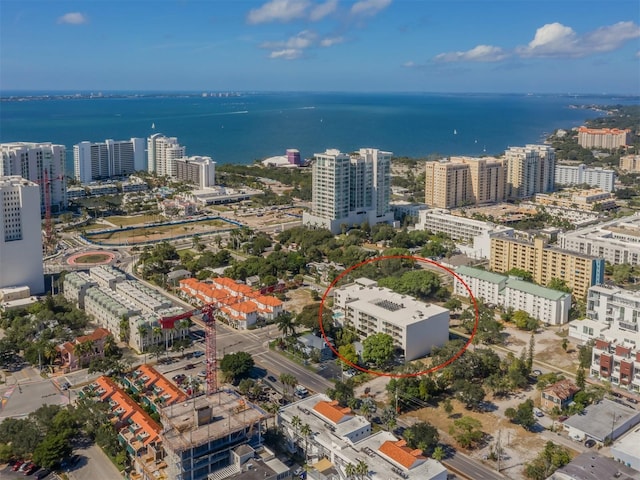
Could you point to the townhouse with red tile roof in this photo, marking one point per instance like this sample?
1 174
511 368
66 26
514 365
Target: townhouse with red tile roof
240 305
72 355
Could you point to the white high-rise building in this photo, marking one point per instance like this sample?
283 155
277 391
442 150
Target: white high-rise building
350 189
111 158
599 177
20 235
200 171
30 160
162 154
530 170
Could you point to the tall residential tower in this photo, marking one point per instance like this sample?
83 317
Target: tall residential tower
20 235
111 158
350 189
162 153
30 160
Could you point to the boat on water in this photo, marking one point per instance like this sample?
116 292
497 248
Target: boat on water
153 126
455 132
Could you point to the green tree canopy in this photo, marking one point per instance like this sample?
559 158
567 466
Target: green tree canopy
422 435
378 348
236 365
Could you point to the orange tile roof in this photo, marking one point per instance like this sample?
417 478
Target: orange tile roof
332 411
159 380
269 301
98 334
108 385
65 347
401 454
244 307
602 131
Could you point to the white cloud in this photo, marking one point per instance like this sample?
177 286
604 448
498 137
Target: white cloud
286 54
557 40
409 64
322 10
553 40
302 40
278 11
481 53
73 18
369 7
330 41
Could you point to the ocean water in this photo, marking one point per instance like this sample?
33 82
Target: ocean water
244 128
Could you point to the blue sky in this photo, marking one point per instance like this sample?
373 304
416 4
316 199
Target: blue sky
541 46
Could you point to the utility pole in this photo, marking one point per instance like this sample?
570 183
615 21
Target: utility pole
499 450
396 399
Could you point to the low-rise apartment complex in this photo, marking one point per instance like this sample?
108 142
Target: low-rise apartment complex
416 327
473 237
340 438
590 200
544 304
130 310
617 241
544 263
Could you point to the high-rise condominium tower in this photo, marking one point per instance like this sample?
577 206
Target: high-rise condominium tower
530 170
350 189
30 160
20 234
162 153
197 170
111 158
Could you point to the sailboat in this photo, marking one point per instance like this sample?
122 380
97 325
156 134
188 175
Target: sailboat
153 126
455 132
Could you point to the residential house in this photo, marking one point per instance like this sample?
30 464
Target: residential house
82 350
559 395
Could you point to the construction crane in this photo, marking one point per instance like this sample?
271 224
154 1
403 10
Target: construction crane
207 312
48 225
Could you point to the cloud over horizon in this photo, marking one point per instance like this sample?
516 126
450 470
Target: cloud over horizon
73 18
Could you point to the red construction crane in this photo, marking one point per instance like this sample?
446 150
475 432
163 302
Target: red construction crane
48 226
207 312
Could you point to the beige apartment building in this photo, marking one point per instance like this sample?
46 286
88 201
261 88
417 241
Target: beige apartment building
630 163
545 263
603 137
530 170
464 181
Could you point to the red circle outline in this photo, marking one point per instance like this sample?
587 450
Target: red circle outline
390 374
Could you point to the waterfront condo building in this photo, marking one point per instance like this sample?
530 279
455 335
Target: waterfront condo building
20 235
617 241
544 263
549 306
530 170
111 158
350 189
162 153
31 160
608 138
462 181
196 170
416 327
602 178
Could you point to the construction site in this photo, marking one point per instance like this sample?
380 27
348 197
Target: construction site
199 435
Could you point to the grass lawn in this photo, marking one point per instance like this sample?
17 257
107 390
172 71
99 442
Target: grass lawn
125 221
93 258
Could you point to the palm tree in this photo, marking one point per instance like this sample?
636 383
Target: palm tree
124 329
49 351
305 431
350 471
362 469
288 380
110 346
365 410
285 324
143 330
157 333
295 423
272 408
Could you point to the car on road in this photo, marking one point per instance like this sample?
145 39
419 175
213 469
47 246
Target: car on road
271 378
189 366
198 353
590 443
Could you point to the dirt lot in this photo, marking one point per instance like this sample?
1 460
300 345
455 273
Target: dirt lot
297 299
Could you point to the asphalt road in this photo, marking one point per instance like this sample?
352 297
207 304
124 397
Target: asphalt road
466 467
93 465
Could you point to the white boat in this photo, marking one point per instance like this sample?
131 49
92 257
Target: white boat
153 126
455 132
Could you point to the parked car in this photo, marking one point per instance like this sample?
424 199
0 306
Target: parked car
189 366
202 373
538 413
42 474
17 465
589 443
536 373
31 469
198 353
24 466
271 378
632 400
